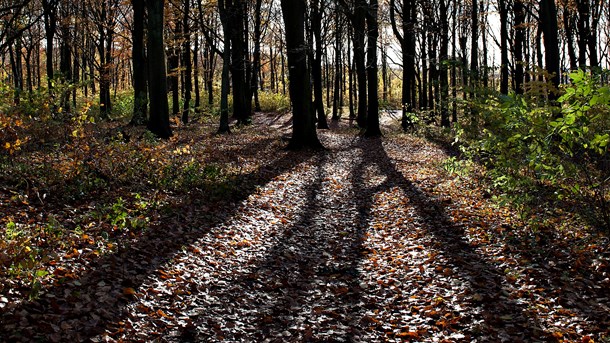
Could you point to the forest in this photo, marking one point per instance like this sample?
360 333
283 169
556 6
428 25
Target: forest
305 171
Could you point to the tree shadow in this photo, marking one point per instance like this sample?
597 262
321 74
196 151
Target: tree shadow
82 308
306 286
504 314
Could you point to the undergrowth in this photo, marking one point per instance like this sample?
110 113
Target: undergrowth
542 158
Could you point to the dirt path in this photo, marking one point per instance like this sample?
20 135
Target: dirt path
368 241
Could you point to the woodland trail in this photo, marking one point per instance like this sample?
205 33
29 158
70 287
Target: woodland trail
368 241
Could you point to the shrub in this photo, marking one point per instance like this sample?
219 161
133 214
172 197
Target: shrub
527 145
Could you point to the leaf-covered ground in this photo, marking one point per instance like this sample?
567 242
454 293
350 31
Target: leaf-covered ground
231 238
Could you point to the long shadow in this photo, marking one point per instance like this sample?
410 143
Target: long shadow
504 317
84 307
307 286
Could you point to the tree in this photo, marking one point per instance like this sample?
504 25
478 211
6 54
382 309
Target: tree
140 72
50 25
303 120
187 61
503 9
548 24
407 44
372 122
357 16
519 27
226 60
316 60
158 123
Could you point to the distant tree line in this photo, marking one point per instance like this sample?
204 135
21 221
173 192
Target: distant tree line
344 57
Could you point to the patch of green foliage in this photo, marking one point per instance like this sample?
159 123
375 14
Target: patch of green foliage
532 149
273 102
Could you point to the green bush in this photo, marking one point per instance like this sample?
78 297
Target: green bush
273 102
526 144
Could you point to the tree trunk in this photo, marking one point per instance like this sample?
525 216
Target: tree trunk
372 122
50 24
316 63
444 58
238 61
303 120
158 122
226 58
187 62
140 73
519 10
548 22
256 55
503 46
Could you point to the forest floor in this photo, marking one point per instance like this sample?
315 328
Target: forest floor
232 238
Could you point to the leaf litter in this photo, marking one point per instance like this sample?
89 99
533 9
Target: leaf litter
369 240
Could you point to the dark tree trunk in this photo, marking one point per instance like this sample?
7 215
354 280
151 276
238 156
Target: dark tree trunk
338 68
358 19
50 25
187 62
197 104
372 120
350 72
140 72
303 120
226 58
454 117
174 74
407 43
444 58
503 46
548 22
519 10
158 122
237 15
256 55
583 30
474 50
316 63
105 30
423 93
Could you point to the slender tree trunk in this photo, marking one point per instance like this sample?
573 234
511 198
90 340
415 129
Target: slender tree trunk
316 63
474 52
519 10
196 75
350 72
187 62
372 122
423 94
140 72
50 24
503 46
338 66
358 23
444 58
158 122
256 55
548 17
226 58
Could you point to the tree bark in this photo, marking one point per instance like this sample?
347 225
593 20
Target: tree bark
140 73
187 62
548 22
303 120
226 61
158 122
372 122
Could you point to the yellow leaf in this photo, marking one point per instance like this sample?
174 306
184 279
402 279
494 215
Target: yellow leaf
7 145
129 291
